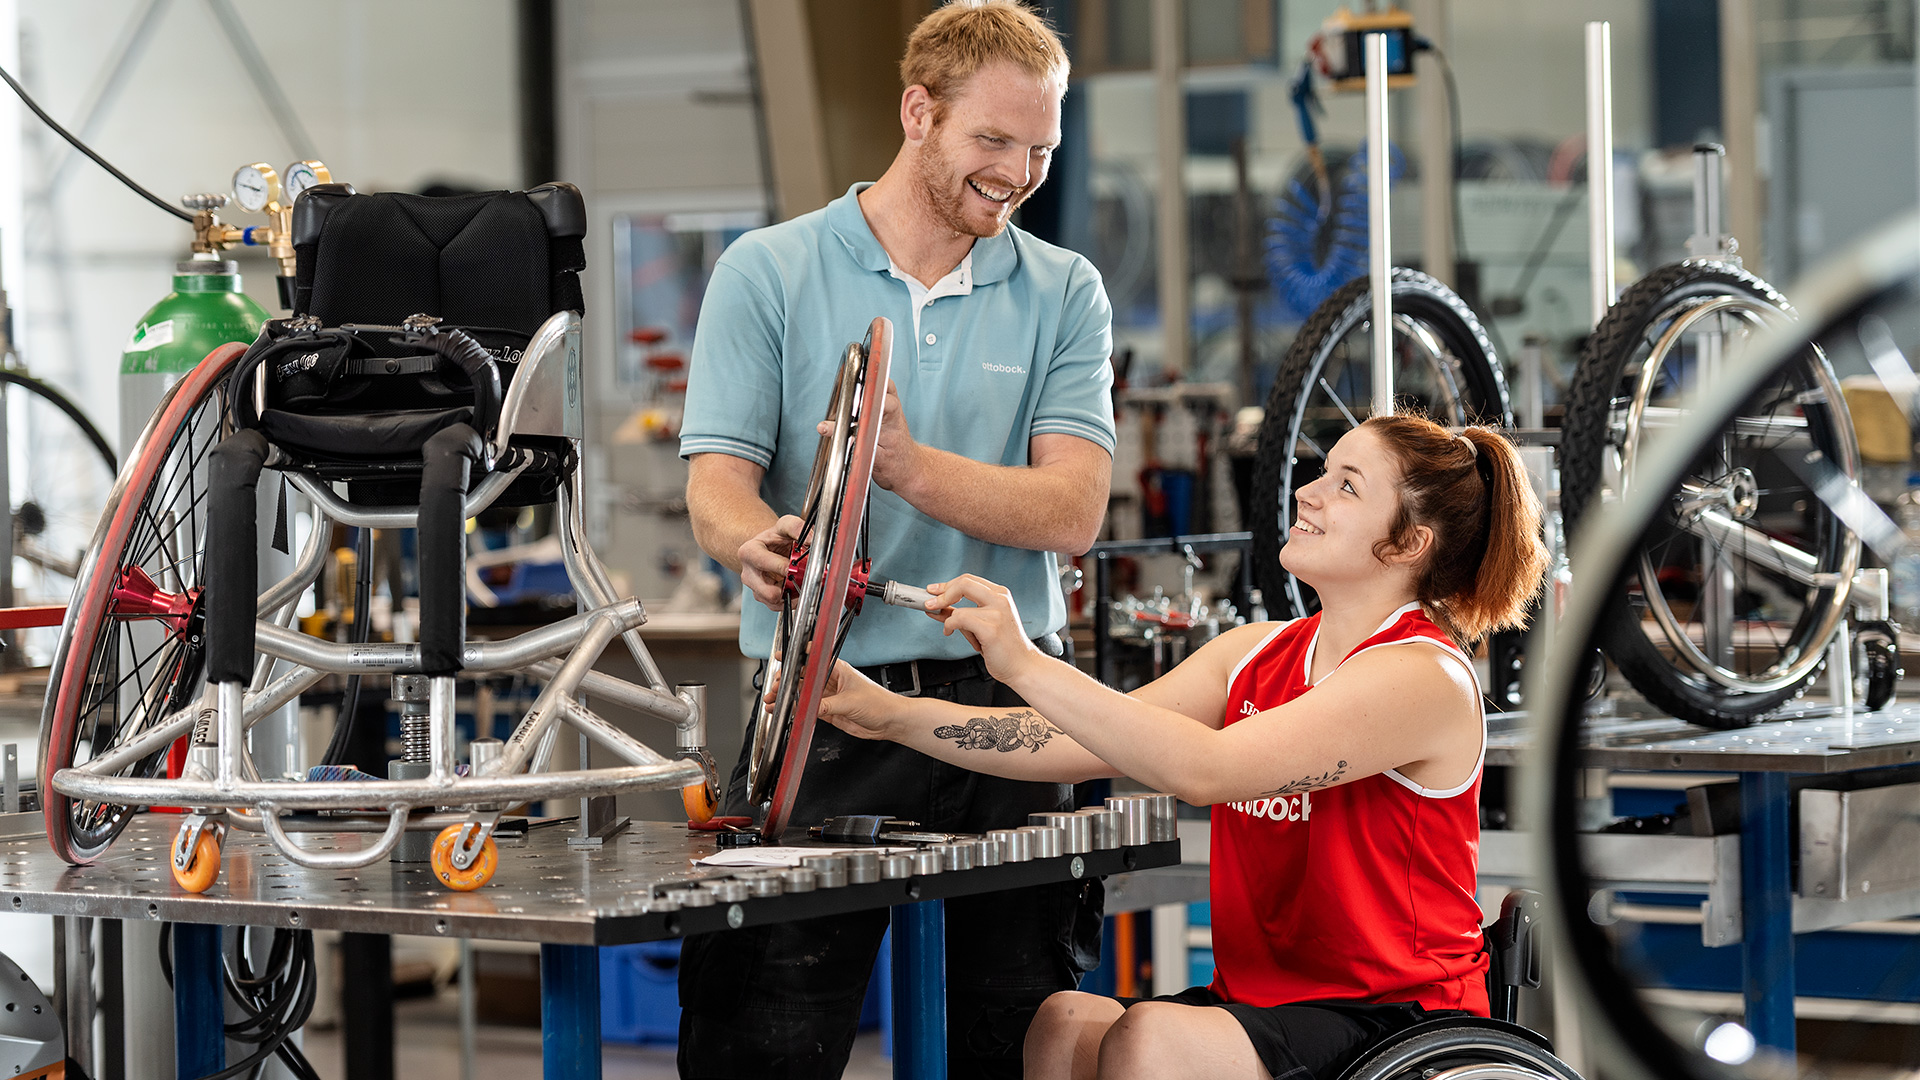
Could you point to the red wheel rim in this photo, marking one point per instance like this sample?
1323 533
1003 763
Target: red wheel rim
823 645
99 576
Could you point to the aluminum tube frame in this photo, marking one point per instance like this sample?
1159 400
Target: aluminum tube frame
1379 225
343 860
587 573
666 707
371 822
313 559
282 690
594 727
1600 168
485 790
522 651
441 734
545 712
548 340
395 517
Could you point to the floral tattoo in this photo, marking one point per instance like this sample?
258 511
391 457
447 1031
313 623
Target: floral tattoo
1024 730
1311 783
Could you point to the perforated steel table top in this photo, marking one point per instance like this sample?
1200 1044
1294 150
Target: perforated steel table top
1805 737
544 891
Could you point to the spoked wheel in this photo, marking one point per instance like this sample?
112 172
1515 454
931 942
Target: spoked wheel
1443 365
59 471
1481 1051
823 590
1740 585
132 650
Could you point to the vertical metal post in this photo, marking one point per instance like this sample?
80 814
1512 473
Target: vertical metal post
1379 224
1170 225
1102 617
1436 135
366 1011
469 1013
1739 122
111 1062
920 991
1600 167
570 1012
1766 909
199 1019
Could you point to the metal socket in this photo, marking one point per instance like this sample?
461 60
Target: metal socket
666 901
829 871
895 867
798 879
727 890
1106 826
763 884
863 867
1049 841
1136 819
693 897
1016 845
956 856
986 852
928 861
1165 817
1078 829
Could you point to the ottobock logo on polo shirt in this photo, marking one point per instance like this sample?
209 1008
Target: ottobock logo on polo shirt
1005 369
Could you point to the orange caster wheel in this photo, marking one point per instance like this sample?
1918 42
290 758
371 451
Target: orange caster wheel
481 872
699 801
203 868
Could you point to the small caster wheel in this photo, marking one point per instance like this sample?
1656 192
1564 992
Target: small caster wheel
203 866
700 801
481 872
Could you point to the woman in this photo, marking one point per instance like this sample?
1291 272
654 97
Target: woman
1343 774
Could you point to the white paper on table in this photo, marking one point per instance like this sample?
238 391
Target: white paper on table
788 856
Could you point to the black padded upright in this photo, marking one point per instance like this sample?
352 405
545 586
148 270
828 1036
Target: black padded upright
233 560
449 457
501 258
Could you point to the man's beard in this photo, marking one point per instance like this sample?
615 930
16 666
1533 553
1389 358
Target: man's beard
934 171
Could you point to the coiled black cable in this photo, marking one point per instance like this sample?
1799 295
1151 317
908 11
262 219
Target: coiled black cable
275 1001
33 105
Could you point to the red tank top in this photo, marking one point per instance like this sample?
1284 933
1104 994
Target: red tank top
1361 892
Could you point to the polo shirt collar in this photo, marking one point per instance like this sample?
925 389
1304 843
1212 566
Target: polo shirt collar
994 257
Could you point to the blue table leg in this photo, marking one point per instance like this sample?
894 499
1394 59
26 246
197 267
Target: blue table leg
199 1014
1766 908
920 991
570 1012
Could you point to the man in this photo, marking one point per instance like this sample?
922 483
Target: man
995 450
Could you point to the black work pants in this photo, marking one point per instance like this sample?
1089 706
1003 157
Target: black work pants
784 1001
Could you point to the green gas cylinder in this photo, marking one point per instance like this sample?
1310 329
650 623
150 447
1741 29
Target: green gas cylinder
205 310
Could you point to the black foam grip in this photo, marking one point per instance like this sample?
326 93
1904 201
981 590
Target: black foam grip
233 556
448 460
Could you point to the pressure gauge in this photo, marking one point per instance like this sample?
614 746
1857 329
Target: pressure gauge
302 175
255 186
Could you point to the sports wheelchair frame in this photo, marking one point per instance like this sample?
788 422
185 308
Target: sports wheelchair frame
159 645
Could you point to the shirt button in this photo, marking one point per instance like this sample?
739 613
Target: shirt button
930 339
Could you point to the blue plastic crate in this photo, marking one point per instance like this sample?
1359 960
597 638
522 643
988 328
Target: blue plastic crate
640 992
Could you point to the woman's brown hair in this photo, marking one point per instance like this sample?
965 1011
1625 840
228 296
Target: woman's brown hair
1487 562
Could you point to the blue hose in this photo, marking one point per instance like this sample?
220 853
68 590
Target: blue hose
1313 250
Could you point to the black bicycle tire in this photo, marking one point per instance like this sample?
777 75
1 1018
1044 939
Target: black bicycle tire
1470 1043
60 401
1414 294
1583 444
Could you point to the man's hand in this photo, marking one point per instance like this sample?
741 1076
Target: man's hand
763 561
897 458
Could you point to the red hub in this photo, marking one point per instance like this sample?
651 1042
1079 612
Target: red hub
856 585
136 596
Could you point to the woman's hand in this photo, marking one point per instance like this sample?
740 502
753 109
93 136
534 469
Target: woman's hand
992 625
852 702
764 558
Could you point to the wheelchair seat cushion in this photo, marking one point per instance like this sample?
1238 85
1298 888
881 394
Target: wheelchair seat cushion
374 436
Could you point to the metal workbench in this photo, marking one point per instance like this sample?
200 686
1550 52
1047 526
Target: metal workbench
1805 738
570 900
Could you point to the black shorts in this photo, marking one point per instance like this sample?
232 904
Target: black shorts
1311 1040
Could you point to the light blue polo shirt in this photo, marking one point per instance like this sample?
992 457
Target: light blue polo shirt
1013 344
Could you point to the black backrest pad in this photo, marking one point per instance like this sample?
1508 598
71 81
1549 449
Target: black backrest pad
502 258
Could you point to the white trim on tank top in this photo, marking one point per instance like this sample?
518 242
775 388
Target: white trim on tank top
1447 647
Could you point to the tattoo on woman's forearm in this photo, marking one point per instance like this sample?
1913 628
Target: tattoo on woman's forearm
1311 783
1023 730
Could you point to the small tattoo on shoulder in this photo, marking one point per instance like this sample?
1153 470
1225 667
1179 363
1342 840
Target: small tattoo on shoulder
1311 783
1023 730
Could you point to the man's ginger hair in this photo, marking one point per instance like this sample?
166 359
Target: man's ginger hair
964 36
